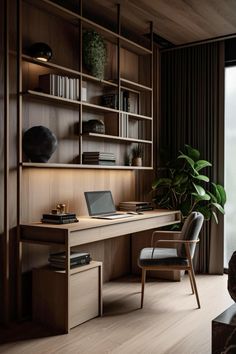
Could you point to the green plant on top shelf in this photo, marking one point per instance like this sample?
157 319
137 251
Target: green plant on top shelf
94 53
183 187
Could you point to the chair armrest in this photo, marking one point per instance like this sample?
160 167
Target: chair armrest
163 234
178 241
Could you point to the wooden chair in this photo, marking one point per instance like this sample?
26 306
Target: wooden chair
178 258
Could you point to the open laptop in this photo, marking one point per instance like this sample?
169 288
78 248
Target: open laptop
101 205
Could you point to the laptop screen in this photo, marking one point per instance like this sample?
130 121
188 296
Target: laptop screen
99 202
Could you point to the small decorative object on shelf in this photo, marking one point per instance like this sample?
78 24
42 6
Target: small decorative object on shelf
94 53
94 126
39 143
61 208
40 51
137 153
110 100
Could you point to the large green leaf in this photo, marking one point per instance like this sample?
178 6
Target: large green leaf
199 189
214 199
188 159
200 164
219 207
199 198
222 192
201 178
161 182
215 217
194 154
216 193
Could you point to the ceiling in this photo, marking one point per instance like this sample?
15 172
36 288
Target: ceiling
179 21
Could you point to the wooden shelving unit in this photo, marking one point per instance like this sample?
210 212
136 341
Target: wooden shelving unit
129 70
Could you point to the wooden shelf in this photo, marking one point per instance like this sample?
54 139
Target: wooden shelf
68 71
50 65
101 108
95 79
134 47
135 85
47 97
135 115
82 166
113 137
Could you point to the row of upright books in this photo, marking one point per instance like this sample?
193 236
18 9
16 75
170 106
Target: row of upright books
99 158
58 260
61 86
135 206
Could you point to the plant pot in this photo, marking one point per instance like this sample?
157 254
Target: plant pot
137 161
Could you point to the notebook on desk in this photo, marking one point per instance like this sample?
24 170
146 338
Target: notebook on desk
101 206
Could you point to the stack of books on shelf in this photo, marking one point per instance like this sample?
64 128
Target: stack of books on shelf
135 206
58 260
65 218
99 158
61 86
111 100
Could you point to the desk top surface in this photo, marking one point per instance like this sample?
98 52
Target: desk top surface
85 222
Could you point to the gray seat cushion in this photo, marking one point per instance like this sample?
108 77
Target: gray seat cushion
160 256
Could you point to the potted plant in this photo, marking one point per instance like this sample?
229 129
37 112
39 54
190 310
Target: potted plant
185 188
94 53
137 153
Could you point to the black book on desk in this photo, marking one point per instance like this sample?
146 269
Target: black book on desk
135 206
65 218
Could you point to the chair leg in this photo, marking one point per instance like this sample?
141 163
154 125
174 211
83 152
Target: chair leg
143 284
191 281
195 286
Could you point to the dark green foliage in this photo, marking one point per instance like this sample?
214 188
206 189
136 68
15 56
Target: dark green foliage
94 53
185 188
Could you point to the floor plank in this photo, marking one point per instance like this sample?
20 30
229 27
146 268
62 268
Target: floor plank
169 323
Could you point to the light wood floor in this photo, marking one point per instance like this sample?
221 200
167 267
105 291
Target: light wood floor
169 323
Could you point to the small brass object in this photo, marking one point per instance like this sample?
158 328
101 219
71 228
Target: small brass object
61 208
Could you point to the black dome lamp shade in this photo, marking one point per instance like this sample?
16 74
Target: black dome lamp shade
40 51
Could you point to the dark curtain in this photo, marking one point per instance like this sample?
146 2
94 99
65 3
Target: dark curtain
192 112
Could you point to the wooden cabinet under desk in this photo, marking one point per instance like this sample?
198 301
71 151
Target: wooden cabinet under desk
86 231
62 303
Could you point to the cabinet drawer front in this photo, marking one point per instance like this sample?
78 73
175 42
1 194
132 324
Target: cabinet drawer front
84 296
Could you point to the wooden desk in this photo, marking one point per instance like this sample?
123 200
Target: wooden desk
89 230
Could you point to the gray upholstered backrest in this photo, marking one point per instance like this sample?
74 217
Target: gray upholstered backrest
191 230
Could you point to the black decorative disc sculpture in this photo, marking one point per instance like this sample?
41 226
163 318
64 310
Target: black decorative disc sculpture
39 143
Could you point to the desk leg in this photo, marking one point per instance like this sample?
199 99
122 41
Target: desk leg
67 287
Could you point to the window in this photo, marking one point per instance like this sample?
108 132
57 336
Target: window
230 164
